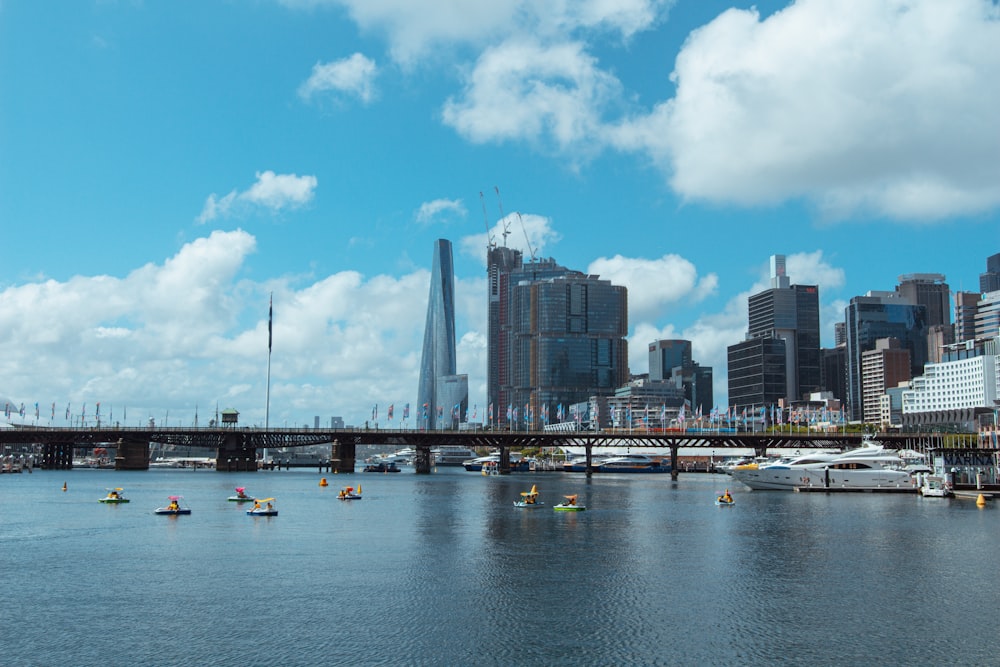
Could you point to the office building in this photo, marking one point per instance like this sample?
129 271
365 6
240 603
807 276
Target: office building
787 313
883 367
990 280
881 315
987 318
929 290
966 306
565 339
501 262
437 360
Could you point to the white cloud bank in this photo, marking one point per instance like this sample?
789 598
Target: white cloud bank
271 192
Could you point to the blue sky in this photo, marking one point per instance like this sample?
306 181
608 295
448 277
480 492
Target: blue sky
166 167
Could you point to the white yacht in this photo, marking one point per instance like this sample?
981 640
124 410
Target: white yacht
451 455
870 467
634 463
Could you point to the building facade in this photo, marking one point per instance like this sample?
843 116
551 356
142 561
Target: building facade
785 312
881 368
438 357
567 342
881 315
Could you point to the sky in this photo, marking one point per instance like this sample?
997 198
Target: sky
169 170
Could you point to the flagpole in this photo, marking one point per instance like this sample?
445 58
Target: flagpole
267 400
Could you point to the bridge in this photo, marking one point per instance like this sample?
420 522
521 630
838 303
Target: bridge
236 447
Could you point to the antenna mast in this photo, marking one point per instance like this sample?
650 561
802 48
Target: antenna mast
491 241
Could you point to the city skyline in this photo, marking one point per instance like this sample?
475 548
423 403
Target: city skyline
164 171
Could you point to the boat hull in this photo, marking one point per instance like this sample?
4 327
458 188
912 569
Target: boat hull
113 501
169 512
569 508
238 499
521 503
262 512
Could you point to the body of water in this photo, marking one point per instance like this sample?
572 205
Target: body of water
442 570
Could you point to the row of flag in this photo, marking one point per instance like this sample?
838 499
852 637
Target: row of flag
13 409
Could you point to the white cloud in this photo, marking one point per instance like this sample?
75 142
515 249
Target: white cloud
354 76
654 284
525 90
434 211
415 30
862 107
527 232
271 191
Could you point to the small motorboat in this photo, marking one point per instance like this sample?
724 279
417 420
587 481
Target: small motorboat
382 466
265 509
241 496
115 496
349 493
569 506
725 499
529 499
174 508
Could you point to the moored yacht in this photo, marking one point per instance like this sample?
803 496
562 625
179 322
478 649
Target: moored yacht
870 467
451 455
634 463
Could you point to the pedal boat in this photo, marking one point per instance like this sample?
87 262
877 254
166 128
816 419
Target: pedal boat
115 496
348 493
241 496
569 506
174 508
263 510
529 499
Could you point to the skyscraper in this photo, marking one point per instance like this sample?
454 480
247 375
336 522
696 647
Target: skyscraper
881 315
501 262
786 313
436 405
990 280
557 337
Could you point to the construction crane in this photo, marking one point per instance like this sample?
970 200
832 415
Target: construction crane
491 241
527 241
503 218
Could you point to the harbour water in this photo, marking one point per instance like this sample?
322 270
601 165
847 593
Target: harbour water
443 570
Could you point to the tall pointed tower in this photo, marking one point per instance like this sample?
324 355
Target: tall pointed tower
440 399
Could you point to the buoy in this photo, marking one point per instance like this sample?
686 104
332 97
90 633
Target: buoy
64 486
322 482
981 501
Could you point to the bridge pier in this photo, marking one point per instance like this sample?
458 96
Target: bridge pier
57 456
422 461
132 455
344 456
673 463
236 453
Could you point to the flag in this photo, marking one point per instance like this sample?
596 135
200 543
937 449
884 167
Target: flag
67 411
510 409
36 409
390 411
375 413
406 411
475 410
97 412
53 410
491 412
270 320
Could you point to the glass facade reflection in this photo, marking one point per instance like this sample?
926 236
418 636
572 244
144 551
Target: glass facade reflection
435 407
881 315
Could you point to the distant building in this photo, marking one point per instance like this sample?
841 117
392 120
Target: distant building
953 394
988 315
881 315
990 280
437 362
966 306
885 366
786 313
501 263
833 371
671 361
929 290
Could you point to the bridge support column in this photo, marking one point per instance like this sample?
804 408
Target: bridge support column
344 456
589 451
503 465
673 462
422 461
132 455
236 454
57 456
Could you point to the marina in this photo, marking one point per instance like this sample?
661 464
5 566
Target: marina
699 584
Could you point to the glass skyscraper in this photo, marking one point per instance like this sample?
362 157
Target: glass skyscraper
441 398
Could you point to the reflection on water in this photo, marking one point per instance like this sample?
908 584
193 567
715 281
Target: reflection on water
442 569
